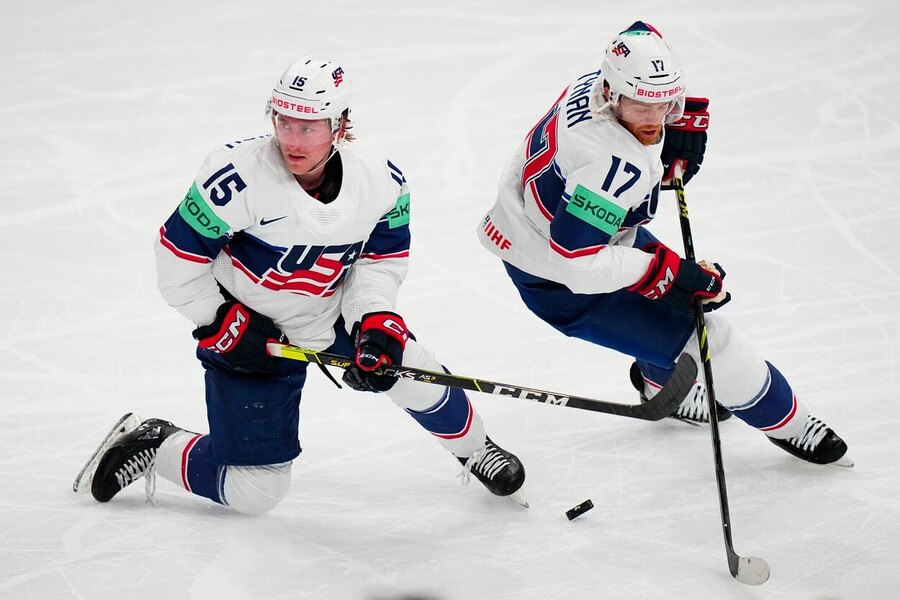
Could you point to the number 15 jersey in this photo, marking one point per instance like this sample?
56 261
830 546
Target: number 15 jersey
247 225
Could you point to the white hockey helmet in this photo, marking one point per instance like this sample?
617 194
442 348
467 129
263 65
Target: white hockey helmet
312 89
639 64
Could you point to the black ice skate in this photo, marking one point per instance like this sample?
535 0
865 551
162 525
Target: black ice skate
500 471
817 444
127 454
693 409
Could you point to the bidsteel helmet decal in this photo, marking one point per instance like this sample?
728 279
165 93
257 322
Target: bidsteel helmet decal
294 107
312 89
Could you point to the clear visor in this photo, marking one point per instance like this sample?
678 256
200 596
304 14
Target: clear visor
635 111
300 132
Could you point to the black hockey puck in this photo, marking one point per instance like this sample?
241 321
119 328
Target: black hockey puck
577 511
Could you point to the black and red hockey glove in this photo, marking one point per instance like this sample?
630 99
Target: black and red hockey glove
239 335
685 142
679 282
380 339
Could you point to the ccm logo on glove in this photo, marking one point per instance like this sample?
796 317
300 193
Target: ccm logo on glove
239 335
380 339
678 282
397 328
233 327
685 142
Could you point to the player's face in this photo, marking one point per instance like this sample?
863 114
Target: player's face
643 120
304 144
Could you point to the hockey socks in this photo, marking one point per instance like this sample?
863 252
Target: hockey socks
453 420
185 459
775 409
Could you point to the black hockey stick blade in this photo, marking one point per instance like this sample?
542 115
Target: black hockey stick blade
660 406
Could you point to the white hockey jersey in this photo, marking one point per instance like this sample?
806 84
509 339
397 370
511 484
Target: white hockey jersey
571 197
248 225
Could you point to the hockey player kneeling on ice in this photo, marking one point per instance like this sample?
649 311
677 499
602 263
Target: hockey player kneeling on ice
569 225
299 236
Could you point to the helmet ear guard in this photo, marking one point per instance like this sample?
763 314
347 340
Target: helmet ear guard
601 100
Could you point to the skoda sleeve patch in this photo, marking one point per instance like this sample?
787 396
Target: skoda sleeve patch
196 213
399 215
596 210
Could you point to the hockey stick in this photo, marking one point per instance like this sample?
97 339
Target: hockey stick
749 570
660 406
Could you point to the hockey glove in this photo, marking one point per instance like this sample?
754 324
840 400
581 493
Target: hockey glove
723 297
685 142
380 339
679 282
239 335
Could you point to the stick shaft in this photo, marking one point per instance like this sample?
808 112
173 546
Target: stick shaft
659 407
700 323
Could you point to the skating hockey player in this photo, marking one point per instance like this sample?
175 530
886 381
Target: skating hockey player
298 236
569 221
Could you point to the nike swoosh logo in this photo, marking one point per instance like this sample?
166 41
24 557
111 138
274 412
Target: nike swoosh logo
263 221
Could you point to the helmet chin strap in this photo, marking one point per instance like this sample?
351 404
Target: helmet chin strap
336 139
322 162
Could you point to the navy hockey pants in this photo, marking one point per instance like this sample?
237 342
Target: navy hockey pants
650 331
255 419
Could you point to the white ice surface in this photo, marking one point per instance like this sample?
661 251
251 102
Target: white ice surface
106 111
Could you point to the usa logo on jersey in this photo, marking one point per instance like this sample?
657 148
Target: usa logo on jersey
305 270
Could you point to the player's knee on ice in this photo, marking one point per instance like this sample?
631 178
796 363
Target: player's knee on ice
256 490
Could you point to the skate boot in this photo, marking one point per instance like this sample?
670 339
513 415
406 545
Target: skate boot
693 409
817 444
127 454
500 471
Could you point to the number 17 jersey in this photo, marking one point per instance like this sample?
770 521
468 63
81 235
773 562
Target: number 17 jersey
572 196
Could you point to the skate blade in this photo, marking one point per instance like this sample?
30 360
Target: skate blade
689 422
844 461
519 498
82 483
